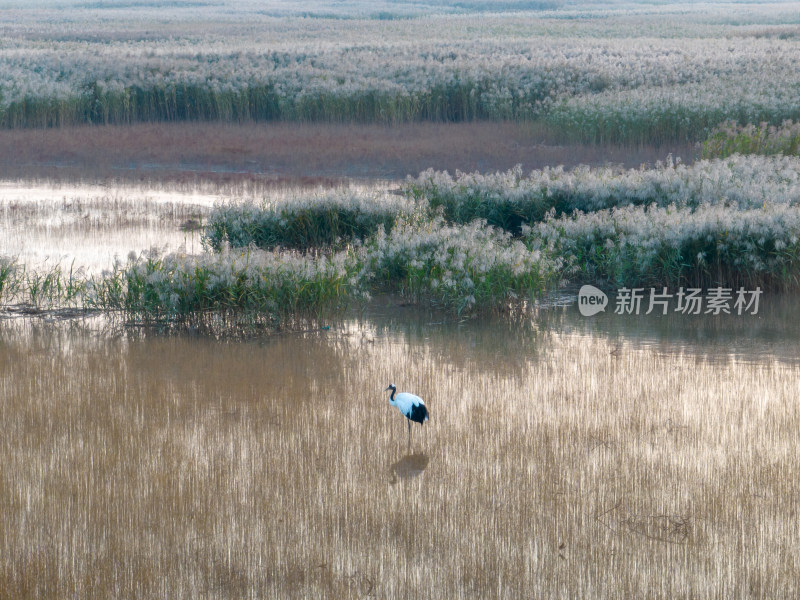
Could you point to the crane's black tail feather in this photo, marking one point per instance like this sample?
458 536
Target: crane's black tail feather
419 413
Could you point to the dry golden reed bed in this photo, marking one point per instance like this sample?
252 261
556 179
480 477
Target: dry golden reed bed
564 468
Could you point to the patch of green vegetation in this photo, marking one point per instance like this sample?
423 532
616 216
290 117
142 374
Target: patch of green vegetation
326 221
765 139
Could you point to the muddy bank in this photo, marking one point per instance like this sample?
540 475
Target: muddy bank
298 153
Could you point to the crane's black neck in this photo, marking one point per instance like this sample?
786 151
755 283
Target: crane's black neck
391 396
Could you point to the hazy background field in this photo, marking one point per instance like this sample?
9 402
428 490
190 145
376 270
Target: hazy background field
594 73
391 88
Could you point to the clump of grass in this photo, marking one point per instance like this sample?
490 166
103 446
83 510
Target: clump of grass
107 291
454 101
507 200
49 287
55 287
277 285
510 200
594 78
327 220
730 138
654 245
461 268
9 278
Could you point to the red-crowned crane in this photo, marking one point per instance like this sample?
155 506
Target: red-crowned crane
412 407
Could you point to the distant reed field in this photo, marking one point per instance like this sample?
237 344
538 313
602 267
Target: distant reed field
599 74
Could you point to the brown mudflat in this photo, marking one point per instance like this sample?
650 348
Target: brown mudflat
304 152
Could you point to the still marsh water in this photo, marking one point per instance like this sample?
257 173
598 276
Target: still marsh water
558 462
90 227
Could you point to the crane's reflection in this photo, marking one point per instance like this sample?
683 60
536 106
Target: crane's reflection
408 467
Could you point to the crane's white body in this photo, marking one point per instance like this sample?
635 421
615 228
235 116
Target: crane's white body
406 403
411 406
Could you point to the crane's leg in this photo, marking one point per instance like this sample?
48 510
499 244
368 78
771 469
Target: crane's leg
409 434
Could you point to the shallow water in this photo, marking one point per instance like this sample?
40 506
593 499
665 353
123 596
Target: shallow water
564 458
92 226
773 332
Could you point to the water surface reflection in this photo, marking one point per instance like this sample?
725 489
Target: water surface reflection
773 333
561 453
408 467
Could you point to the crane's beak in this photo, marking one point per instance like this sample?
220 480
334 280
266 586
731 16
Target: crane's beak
387 389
